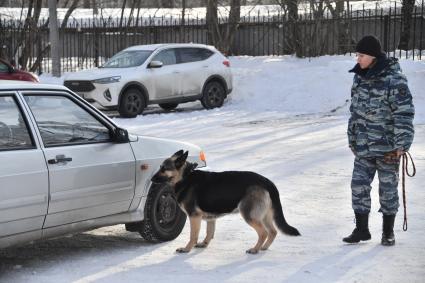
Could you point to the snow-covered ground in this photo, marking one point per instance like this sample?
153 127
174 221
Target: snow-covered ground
286 119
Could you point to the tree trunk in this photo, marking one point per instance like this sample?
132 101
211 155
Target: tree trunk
406 11
294 33
54 39
212 23
122 12
71 9
30 26
232 26
344 42
166 3
182 22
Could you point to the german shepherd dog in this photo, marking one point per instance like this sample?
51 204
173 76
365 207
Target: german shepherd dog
208 195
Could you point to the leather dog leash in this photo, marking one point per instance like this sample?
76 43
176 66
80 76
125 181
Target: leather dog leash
405 170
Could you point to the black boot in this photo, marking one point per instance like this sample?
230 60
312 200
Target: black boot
361 232
388 230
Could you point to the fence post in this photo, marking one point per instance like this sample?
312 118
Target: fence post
386 22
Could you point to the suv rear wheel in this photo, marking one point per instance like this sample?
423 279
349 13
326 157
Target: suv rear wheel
132 103
213 95
168 106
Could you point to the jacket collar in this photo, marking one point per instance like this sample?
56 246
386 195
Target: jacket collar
382 63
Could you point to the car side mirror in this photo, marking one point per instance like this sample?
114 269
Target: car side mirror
120 135
11 69
155 64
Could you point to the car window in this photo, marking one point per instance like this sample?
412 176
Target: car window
14 131
126 59
193 54
4 68
63 122
167 57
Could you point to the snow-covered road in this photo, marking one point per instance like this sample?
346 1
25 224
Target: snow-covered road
307 157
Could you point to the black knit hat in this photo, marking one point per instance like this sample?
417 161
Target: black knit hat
369 45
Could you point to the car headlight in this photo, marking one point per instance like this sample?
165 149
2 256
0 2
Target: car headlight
108 80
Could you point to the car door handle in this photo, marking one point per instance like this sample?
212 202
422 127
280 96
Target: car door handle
176 72
59 159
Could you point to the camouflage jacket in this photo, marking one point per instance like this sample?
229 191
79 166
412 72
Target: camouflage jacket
381 110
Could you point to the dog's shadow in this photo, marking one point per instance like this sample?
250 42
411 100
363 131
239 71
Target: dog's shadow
185 267
110 258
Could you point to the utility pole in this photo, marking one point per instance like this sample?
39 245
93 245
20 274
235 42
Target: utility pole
54 39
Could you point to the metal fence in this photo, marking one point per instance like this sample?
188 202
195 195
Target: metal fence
89 43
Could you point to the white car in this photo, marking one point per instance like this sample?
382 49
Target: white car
164 74
66 167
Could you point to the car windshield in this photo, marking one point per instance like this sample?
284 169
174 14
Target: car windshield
125 59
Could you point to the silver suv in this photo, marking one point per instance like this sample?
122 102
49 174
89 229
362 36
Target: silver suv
164 74
66 167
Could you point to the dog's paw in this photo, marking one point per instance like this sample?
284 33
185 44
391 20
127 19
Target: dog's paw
182 250
201 245
252 251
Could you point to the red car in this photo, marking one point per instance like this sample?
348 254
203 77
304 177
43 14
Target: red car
8 72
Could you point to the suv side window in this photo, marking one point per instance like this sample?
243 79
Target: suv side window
194 54
63 122
167 57
14 131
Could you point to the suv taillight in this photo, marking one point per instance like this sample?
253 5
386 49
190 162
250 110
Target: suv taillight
226 63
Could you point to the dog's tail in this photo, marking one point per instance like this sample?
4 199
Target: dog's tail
279 218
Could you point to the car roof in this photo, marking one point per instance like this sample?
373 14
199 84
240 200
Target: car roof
152 47
24 85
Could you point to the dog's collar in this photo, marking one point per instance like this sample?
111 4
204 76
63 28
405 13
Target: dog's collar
190 167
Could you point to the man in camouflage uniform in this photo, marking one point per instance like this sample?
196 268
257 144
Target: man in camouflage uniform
380 130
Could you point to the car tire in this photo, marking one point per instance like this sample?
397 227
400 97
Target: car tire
164 220
213 95
168 106
132 103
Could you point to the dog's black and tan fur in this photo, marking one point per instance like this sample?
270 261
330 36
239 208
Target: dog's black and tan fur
207 195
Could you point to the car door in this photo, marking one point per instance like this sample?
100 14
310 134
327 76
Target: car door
166 80
89 175
193 68
23 172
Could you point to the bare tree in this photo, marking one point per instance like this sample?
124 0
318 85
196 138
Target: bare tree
212 22
220 35
294 33
71 9
406 11
345 42
54 38
124 3
166 3
29 33
232 26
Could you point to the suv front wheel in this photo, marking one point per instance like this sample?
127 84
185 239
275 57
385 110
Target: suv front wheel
213 95
132 103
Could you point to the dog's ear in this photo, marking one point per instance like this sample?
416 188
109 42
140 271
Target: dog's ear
181 160
178 153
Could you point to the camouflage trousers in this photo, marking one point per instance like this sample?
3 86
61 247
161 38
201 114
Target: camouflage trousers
363 174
